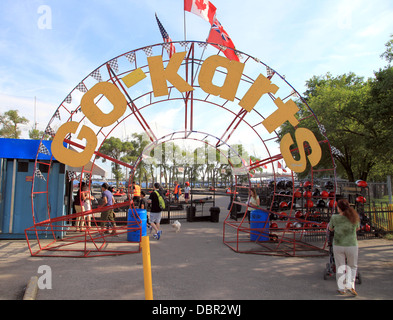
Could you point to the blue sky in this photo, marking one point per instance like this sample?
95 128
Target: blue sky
297 38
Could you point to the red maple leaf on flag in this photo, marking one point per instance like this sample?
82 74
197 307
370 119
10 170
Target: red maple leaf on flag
203 8
200 4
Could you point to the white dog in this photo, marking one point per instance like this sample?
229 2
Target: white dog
176 225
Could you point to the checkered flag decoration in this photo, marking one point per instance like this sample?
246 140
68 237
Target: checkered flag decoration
131 57
222 48
50 131
114 65
270 72
336 152
184 44
71 175
81 87
68 99
148 51
87 176
57 114
43 150
38 174
322 129
96 75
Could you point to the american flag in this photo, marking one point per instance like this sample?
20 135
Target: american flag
170 48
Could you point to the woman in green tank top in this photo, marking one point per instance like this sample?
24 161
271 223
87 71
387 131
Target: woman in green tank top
345 246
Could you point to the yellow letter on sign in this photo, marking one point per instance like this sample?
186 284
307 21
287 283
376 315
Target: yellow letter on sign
70 157
159 75
286 111
261 86
302 135
232 79
115 97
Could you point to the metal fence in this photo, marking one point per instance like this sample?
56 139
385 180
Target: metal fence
197 208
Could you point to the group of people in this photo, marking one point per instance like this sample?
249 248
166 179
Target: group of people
83 202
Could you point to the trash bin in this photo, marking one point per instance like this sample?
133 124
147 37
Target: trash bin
259 225
214 214
135 220
191 213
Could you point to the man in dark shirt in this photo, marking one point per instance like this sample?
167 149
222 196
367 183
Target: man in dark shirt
155 212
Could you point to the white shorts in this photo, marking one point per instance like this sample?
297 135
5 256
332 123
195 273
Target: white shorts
155 217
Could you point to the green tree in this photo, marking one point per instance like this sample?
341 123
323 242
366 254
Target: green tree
35 134
10 122
381 112
116 149
342 105
388 54
139 143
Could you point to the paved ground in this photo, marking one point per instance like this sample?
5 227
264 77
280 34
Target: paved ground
193 265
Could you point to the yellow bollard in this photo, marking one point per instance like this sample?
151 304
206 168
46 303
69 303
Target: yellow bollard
147 268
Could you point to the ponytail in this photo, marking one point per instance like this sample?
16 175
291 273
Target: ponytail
348 211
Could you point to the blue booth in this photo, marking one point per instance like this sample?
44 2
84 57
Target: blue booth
17 162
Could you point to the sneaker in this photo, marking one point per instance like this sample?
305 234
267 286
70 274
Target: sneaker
353 292
155 236
342 292
159 233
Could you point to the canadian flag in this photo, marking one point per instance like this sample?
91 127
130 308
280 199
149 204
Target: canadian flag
203 8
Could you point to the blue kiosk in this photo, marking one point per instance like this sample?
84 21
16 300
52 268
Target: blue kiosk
17 162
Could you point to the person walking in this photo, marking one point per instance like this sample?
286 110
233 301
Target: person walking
345 246
155 212
107 201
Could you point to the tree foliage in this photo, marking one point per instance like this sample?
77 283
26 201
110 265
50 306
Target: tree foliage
357 116
10 122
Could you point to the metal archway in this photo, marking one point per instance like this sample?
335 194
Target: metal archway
192 112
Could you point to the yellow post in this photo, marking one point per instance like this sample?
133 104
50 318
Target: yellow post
147 268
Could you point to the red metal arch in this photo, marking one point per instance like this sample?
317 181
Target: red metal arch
190 63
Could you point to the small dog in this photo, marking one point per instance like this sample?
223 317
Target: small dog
176 225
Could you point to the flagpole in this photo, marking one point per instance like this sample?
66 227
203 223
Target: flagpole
204 49
211 27
184 19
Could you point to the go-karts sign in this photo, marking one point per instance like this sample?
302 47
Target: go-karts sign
159 77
